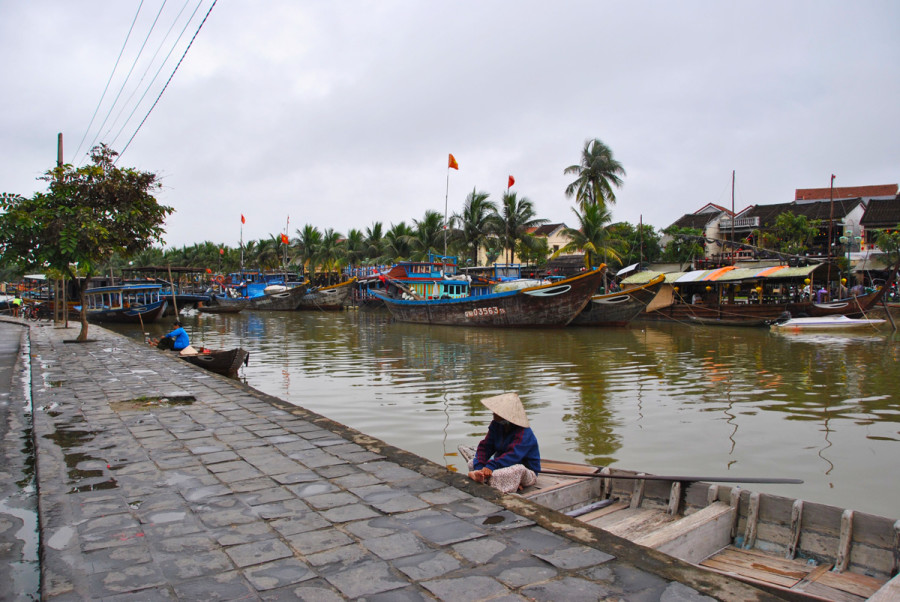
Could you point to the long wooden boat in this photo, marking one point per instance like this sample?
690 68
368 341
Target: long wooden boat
285 299
227 308
553 304
693 303
329 298
799 549
619 308
221 361
127 303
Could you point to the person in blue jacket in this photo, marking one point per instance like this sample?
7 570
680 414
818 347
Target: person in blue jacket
508 458
179 337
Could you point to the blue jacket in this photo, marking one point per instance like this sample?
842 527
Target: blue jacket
505 445
180 336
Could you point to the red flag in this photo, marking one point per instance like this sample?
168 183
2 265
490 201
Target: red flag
452 164
221 251
243 221
284 239
512 181
208 271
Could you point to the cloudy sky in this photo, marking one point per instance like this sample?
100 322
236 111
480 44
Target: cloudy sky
341 114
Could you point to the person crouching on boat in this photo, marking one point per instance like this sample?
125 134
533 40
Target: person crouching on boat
177 339
508 457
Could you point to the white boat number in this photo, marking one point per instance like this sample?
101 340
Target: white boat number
485 311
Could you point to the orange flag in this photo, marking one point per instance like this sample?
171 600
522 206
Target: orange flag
243 221
452 164
284 239
512 181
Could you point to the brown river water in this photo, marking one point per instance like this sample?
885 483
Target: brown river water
664 398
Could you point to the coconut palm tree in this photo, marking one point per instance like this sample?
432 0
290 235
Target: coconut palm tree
309 239
397 242
516 216
598 173
374 242
476 223
355 247
593 237
331 252
428 235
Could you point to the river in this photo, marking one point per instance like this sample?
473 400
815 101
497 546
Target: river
661 398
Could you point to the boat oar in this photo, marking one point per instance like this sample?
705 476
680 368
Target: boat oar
655 477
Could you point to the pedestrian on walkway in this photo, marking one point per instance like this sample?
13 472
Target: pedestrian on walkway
508 457
16 305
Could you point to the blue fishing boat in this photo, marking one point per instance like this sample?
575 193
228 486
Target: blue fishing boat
126 303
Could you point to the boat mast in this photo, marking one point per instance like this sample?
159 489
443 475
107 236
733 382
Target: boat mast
733 258
830 225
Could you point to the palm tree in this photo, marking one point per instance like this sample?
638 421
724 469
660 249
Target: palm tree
355 247
593 236
309 239
598 173
513 223
331 253
428 235
397 242
268 254
476 223
374 242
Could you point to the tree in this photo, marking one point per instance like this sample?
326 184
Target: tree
598 173
889 244
309 239
374 242
397 242
476 223
593 237
513 223
86 216
641 243
355 247
684 246
790 233
428 235
331 253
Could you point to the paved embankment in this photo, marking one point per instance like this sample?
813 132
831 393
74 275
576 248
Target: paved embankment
158 480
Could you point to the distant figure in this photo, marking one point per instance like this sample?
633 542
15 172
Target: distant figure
697 299
857 290
16 305
508 457
821 295
178 337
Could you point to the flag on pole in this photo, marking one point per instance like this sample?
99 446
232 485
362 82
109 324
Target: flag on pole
452 164
512 181
284 239
221 251
243 221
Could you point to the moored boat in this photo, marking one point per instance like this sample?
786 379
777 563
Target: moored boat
223 308
619 308
791 547
127 303
221 361
826 323
329 298
554 304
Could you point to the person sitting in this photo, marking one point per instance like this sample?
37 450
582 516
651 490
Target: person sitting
508 457
177 339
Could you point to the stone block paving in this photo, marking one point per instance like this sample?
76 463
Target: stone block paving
159 481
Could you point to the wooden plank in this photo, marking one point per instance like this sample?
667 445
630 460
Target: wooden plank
760 560
822 592
812 576
853 583
895 565
749 572
752 521
796 522
889 592
674 499
590 517
635 523
843 554
638 496
693 537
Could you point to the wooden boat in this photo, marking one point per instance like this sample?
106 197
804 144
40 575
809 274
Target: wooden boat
329 298
717 305
618 308
221 361
127 303
223 308
826 323
741 322
553 304
809 550
285 299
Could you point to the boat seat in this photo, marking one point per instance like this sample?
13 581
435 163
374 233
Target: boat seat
695 536
631 523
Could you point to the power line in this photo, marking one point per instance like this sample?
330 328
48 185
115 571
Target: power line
169 80
102 96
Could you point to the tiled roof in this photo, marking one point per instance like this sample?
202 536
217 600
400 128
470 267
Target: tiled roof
882 213
820 210
694 220
547 229
845 192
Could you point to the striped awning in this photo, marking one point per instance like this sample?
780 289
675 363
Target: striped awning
725 274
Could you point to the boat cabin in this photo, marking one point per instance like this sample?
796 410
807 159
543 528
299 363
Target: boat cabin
121 297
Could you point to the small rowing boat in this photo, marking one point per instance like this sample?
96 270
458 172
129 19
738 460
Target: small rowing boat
790 547
825 323
226 362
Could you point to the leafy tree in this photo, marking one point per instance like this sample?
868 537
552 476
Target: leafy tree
86 215
533 250
331 252
684 245
355 247
789 234
593 237
309 240
374 242
428 235
476 223
597 175
397 242
636 247
516 216
889 244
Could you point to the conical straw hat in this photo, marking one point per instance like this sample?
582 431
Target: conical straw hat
508 406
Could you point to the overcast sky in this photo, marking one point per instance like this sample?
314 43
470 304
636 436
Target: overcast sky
341 114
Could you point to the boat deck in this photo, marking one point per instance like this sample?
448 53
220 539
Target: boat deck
714 532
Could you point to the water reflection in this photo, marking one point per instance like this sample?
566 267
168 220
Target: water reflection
663 398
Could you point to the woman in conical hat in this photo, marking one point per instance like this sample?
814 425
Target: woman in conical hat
508 457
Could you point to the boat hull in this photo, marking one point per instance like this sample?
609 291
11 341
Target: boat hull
619 308
542 306
281 301
226 362
136 314
331 298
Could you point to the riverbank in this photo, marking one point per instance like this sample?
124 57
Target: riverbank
159 480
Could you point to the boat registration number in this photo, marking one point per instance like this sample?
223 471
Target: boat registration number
485 311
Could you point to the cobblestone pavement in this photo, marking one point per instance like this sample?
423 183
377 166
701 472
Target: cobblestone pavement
158 480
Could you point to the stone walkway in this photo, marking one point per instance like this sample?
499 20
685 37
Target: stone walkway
160 481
